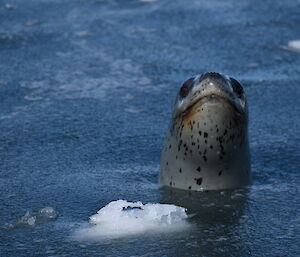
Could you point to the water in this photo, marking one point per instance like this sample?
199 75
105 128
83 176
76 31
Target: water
86 92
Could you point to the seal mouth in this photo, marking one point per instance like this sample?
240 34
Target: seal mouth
208 98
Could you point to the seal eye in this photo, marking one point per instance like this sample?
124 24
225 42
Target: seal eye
184 90
237 87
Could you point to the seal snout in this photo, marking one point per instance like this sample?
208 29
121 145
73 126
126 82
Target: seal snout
213 77
210 88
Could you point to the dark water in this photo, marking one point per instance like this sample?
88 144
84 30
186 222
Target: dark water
86 89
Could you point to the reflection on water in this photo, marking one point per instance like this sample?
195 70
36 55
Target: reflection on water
216 217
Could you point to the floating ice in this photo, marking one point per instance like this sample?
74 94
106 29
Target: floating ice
31 219
121 218
133 110
33 23
9 6
147 1
294 45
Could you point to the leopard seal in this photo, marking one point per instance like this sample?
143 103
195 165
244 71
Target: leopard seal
206 147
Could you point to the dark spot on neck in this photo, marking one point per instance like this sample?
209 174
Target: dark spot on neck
198 181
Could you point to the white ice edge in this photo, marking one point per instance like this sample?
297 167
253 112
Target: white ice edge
122 218
293 45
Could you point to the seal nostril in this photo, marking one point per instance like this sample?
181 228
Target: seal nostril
211 75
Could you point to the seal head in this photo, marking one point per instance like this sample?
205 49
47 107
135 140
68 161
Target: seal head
207 147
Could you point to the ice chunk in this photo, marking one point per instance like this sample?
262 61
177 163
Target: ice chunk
31 219
294 45
8 6
148 1
27 219
121 218
48 213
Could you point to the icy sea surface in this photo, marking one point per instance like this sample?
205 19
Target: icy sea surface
86 93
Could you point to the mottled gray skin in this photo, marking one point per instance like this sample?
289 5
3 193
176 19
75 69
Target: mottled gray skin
207 147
